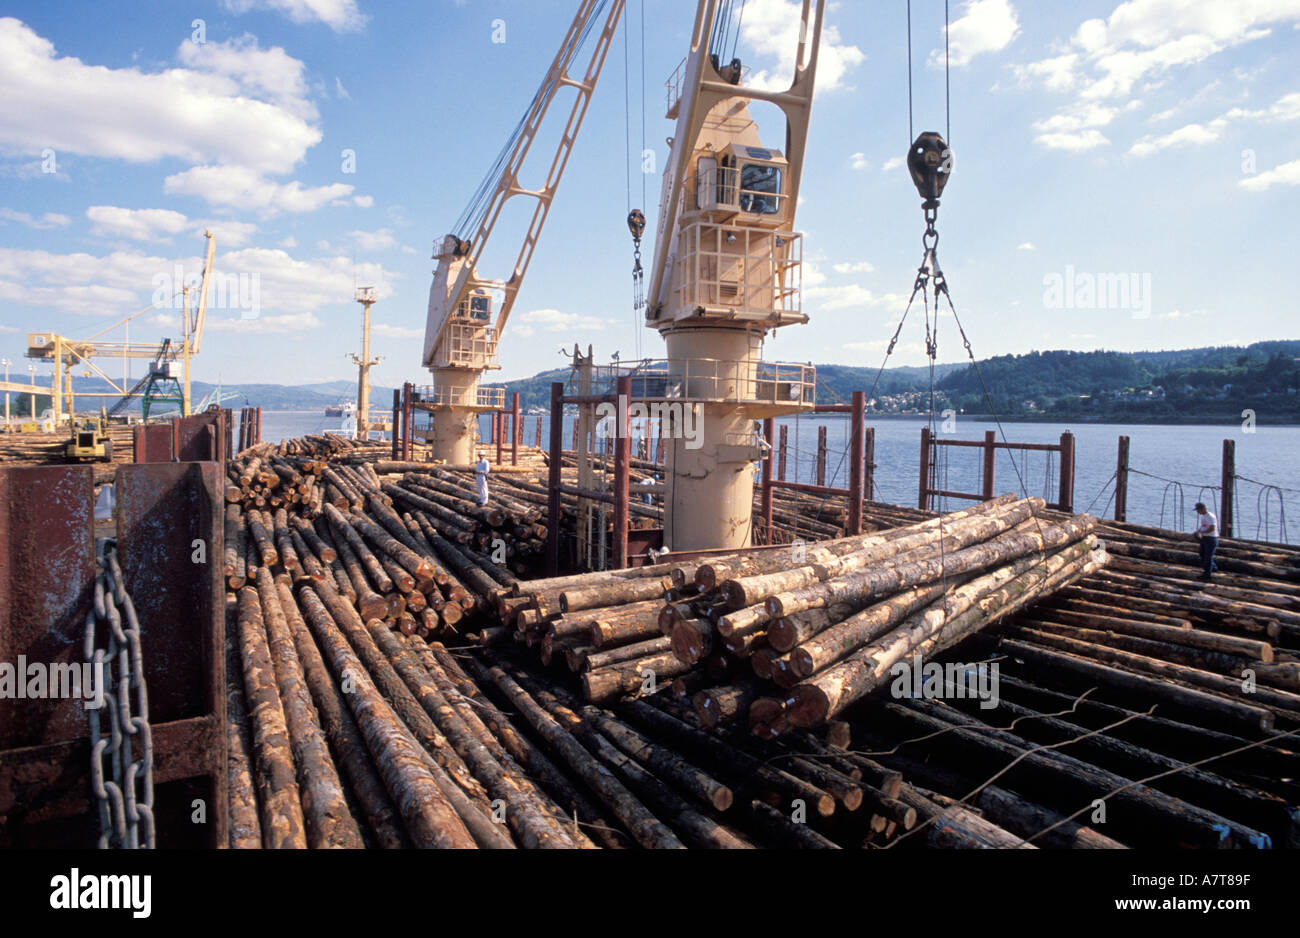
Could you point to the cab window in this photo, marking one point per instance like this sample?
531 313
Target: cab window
760 189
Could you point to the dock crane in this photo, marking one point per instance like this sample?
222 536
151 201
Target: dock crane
726 269
66 353
464 329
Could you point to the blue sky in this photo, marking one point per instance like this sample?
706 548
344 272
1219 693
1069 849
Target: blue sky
1154 139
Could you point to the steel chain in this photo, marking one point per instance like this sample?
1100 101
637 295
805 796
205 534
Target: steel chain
123 792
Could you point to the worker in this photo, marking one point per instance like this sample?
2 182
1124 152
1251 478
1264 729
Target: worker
647 495
1207 531
481 471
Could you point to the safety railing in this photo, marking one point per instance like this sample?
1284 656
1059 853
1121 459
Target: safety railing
748 272
470 344
710 380
451 396
677 81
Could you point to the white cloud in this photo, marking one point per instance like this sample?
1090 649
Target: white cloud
1288 174
1190 135
1144 41
553 320
61 103
338 15
138 224
289 242
771 29
859 161
124 281
1027 246
340 91
160 224
373 240
227 232
395 332
851 296
1286 108
1059 73
894 162
241 187
861 267
1083 140
270 74
44 221
268 325
984 26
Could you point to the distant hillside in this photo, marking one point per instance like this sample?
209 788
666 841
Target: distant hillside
1215 383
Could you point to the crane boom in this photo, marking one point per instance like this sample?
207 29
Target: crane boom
460 332
202 314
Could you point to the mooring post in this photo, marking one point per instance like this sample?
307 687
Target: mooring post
622 463
1067 472
769 432
537 438
821 455
498 431
857 446
869 465
408 421
780 465
923 497
553 491
257 426
397 422
990 462
1228 481
515 427
1121 480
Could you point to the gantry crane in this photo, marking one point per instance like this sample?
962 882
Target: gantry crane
468 310
726 269
66 353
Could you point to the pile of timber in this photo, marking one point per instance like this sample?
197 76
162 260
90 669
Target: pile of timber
346 731
49 449
788 638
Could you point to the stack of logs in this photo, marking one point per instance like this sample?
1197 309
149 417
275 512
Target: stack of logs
345 730
824 623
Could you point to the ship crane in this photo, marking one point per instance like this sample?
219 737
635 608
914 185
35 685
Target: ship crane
726 269
468 310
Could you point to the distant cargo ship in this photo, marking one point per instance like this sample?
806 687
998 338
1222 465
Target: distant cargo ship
333 410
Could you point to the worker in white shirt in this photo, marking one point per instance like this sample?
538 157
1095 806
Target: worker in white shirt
481 470
1207 530
647 496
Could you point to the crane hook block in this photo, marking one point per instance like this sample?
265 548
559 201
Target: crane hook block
636 223
930 163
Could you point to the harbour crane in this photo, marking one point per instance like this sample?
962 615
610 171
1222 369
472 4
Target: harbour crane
468 310
726 270
67 353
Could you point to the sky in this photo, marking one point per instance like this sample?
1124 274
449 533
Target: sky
1126 176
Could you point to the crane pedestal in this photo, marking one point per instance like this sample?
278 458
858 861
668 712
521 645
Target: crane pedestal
454 401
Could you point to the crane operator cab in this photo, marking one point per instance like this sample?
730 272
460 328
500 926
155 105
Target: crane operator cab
736 257
743 180
465 336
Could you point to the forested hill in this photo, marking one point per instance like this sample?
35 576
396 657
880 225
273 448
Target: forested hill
1189 384
1202 384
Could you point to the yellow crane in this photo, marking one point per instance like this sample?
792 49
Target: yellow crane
463 329
67 353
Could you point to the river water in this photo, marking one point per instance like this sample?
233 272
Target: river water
1160 456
